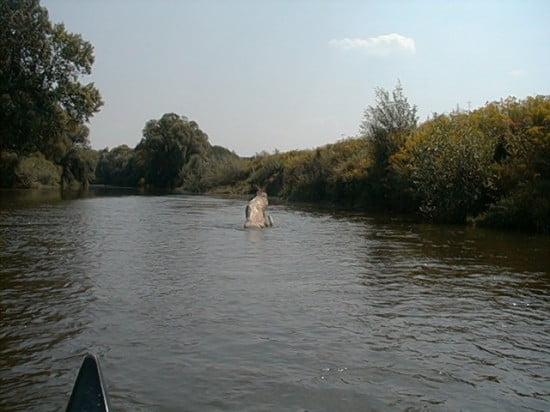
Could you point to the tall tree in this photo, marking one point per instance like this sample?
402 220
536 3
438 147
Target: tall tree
386 126
167 146
388 122
42 103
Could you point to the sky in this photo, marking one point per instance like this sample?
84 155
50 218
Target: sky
298 74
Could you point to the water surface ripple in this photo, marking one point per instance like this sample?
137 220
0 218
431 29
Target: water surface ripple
188 311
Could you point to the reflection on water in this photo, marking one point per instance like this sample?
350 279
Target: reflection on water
187 310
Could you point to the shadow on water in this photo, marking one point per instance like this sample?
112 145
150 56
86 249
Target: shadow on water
467 247
405 235
12 198
16 198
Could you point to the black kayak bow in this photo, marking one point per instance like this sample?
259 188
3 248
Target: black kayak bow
89 394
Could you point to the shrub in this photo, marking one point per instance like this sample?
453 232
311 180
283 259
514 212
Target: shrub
525 209
35 171
448 164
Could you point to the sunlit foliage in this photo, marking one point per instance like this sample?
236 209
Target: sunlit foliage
448 162
388 123
490 165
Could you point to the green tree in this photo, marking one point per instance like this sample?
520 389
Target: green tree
448 165
388 123
42 102
168 145
222 169
386 126
114 167
79 165
522 163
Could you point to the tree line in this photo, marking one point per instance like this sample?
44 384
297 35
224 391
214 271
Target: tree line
44 107
490 166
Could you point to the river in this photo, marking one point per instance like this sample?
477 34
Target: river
326 311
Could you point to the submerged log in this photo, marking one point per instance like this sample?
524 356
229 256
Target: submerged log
255 212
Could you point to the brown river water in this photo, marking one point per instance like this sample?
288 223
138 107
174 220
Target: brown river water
326 311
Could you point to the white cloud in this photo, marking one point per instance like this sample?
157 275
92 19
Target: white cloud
516 73
377 46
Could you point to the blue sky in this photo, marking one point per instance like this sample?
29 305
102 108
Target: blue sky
265 75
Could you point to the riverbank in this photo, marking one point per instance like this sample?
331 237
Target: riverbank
489 167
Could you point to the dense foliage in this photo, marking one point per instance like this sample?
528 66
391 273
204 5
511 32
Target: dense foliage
388 123
173 153
43 106
170 150
484 165
490 166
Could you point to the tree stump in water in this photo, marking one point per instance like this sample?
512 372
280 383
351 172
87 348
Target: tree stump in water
255 212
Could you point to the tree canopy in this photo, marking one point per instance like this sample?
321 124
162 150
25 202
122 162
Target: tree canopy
168 145
43 106
391 114
388 123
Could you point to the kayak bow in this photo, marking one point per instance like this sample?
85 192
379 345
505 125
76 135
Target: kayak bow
89 394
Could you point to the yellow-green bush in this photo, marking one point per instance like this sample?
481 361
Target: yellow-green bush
493 163
447 163
35 171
